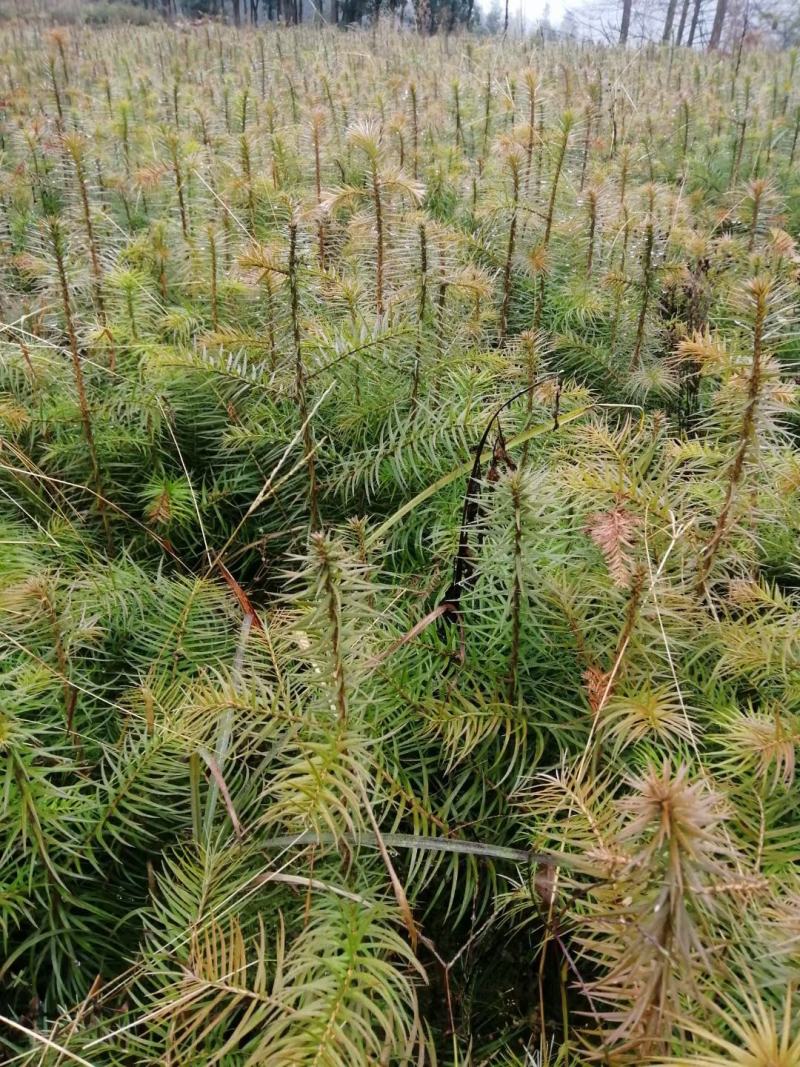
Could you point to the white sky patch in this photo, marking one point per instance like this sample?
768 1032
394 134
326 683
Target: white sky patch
534 10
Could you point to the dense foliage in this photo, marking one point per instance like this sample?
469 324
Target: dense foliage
399 574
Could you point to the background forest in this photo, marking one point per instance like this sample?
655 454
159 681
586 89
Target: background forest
398 550
730 24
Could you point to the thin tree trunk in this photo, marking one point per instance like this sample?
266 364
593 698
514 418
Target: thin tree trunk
682 23
57 238
695 20
512 231
669 22
423 297
626 21
300 381
719 21
376 195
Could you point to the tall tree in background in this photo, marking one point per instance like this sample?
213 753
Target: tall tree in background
695 20
719 20
682 23
626 21
669 21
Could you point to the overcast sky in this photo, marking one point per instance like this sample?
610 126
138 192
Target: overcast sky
535 9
